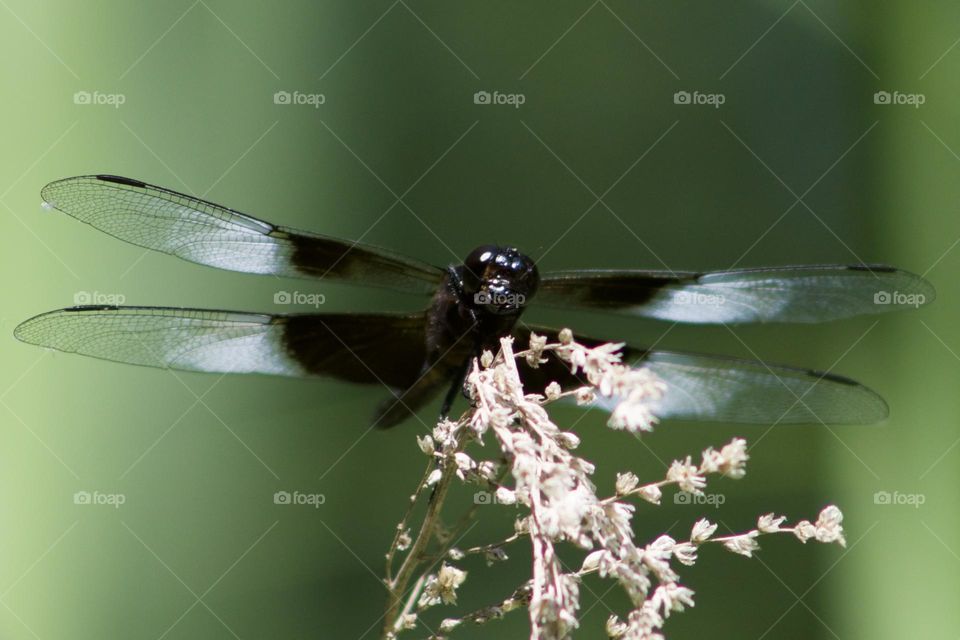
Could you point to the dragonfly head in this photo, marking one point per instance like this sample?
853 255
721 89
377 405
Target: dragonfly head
500 280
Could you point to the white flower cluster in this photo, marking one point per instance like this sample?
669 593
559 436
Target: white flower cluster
552 482
555 484
442 587
634 390
560 501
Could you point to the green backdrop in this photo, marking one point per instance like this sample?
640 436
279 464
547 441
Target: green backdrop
599 166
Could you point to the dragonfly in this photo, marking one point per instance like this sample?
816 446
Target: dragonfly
469 307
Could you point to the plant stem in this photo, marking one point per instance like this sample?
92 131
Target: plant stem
402 525
519 598
431 519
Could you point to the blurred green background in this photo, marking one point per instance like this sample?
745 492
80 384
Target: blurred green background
799 165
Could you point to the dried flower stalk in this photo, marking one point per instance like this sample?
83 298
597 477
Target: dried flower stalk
560 502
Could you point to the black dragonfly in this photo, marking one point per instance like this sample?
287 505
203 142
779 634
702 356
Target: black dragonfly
471 305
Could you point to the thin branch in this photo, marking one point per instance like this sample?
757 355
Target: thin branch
427 529
402 525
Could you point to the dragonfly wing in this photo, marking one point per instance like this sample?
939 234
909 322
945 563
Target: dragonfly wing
207 233
709 388
720 389
781 294
364 348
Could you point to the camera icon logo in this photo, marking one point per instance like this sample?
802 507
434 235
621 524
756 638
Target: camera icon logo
482 97
282 97
281 497
482 297
881 97
82 97
282 297
681 97
82 497
882 497
82 297
882 297
683 497
483 497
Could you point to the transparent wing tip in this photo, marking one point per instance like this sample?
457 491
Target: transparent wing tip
903 289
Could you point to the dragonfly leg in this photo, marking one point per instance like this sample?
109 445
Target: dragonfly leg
455 385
